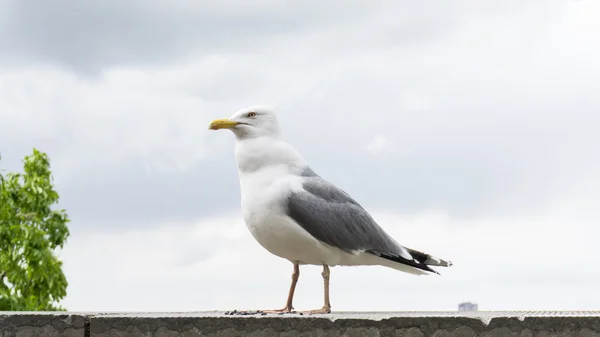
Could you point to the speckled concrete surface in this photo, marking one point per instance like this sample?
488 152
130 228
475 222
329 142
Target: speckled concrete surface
42 324
393 324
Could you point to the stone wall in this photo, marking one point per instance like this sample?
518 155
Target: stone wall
411 324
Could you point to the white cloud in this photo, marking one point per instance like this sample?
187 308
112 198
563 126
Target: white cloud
411 101
378 144
124 114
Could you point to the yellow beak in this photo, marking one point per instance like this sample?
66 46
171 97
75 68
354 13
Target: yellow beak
222 124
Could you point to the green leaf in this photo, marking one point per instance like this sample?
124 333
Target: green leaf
31 276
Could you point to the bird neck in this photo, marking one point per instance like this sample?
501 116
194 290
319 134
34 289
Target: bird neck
260 153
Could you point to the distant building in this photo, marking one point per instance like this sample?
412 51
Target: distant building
467 306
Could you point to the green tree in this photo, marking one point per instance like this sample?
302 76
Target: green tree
31 277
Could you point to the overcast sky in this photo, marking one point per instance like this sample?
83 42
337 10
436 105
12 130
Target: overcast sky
467 128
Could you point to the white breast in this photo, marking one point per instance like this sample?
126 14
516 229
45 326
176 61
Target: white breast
265 183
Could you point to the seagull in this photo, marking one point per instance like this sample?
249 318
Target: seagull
299 216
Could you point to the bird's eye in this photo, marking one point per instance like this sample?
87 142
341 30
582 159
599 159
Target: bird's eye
251 114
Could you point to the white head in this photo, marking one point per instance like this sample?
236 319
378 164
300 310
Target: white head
251 122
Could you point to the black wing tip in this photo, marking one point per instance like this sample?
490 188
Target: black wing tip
397 258
431 270
429 259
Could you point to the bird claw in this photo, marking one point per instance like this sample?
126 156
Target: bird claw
323 310
286 310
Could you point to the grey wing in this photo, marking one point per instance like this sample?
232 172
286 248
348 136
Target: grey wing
333 217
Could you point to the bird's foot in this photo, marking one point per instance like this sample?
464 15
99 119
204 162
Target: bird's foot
323 310
286 310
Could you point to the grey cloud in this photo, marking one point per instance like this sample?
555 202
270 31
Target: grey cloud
88 36
129 195
491 144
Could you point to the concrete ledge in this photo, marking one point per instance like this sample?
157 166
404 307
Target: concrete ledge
393 324
41 324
